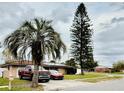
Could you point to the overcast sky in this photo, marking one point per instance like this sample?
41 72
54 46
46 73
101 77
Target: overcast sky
107 20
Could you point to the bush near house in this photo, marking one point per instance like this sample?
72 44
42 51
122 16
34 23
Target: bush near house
118 66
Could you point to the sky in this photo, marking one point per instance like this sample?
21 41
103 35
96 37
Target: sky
107 20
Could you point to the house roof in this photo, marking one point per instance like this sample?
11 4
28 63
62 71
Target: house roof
101 67
24 63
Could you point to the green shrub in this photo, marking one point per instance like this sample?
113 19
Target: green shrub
117 67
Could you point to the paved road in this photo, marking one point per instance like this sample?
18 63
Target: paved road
112 85
57 85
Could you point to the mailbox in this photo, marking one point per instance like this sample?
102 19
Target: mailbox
11 78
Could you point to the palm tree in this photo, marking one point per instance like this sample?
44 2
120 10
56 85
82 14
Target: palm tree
53 61
7 55
36 38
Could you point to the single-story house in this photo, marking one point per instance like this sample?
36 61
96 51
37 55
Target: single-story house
102 69
16 65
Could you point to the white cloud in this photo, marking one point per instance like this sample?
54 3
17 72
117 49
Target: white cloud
13 14
109 37
106 19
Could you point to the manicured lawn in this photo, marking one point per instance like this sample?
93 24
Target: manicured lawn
118 73
5 81
16 89
40 88
92 77
94 80
18 85
87 75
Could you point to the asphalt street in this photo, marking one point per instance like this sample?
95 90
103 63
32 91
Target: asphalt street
58 85
110 85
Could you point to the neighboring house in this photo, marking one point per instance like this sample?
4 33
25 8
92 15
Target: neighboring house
122 70
102 69
16 65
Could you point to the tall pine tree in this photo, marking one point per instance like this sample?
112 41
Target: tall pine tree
81 34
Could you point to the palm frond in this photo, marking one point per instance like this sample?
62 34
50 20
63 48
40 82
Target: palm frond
39 36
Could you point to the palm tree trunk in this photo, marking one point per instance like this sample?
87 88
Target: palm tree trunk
36 52
35 76
82 71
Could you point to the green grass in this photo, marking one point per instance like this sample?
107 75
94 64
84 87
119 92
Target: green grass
16 89
94 80
20 82
39 88
92 77
5 81
87 75
118 73
18 85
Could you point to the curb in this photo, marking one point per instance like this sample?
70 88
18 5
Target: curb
3 86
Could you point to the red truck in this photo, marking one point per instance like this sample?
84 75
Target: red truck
27 72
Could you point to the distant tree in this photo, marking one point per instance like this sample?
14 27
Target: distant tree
53 61
118 66
81 34
89 66
71 62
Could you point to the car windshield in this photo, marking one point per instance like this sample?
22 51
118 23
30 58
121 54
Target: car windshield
54 72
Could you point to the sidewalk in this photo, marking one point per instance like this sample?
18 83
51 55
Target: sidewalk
3 86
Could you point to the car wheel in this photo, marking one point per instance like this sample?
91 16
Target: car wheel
47 80
44 81
52 78
30 78
20 77
62 78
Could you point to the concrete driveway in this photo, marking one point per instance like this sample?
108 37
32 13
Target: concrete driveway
57 85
